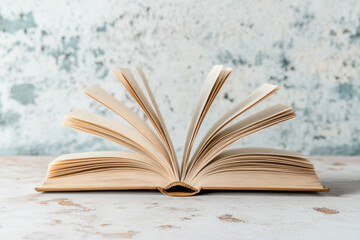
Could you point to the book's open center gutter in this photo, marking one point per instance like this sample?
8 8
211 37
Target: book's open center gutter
179 189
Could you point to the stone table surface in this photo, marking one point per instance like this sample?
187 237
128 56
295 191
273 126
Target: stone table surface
27 214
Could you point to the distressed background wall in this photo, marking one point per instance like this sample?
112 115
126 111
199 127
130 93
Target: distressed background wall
50 50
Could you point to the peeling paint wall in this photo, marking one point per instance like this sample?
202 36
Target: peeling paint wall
50 51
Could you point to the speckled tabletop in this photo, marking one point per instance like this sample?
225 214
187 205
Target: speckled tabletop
26 214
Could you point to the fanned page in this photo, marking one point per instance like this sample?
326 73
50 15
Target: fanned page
233 133
129 82
213 83
103 97
167 137
261 93
114 131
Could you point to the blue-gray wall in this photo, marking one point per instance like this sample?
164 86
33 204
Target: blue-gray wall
50 50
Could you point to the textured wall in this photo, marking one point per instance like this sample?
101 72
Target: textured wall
50 51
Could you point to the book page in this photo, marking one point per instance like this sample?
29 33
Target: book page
81 162
261 93
104 170
261 179
129 82
168 139
258 169
213 82
110 179
261 151
103 97
116 132
233 133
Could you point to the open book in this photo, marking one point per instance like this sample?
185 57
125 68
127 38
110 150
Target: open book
153 163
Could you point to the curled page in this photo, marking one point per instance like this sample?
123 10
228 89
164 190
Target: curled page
213 83
261 93
106 99
116 132
254 123
129 82
167 137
